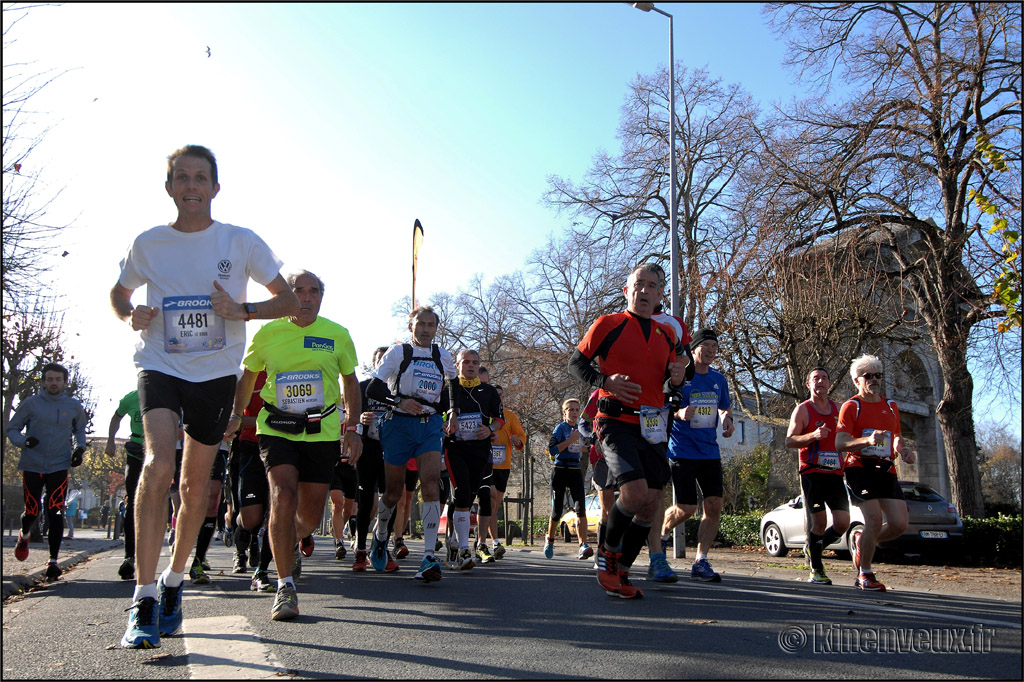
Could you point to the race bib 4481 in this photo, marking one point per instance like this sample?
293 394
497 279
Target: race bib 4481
190 325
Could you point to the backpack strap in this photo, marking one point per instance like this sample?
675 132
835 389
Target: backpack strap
435 352
406 359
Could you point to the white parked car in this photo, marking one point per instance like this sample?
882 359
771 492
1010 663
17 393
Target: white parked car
933 524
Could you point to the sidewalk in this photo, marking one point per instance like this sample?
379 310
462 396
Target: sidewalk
18 576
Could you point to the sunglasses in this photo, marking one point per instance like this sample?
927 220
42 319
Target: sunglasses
872 375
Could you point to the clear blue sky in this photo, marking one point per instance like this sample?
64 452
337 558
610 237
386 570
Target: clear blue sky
335 126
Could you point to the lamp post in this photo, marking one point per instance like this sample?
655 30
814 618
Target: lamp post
679 534
673 226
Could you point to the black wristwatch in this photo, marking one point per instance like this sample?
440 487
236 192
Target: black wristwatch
250 310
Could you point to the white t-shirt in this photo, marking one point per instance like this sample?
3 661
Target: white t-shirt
186 339
421 379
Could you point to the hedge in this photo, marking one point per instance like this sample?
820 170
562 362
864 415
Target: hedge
993 541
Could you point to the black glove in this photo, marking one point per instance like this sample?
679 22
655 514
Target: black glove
77 456
31 442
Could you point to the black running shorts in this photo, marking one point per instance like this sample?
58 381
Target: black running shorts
688 474
205 406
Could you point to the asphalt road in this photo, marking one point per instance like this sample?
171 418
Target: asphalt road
523 617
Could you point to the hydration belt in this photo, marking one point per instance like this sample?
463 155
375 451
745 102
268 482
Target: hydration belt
288 422
613 408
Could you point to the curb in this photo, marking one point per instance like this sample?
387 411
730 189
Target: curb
23 582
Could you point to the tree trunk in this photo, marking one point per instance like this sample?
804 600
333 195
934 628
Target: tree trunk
956 420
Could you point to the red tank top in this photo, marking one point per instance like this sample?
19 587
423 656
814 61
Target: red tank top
820 457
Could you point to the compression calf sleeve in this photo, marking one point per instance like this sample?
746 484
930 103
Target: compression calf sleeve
618 522
814 547
385 521
431 521
205 537
633 541
829 536
462 529
266 555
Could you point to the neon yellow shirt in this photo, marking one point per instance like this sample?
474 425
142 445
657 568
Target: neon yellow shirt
303 365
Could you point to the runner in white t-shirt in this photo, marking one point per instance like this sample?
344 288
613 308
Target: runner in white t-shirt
196 271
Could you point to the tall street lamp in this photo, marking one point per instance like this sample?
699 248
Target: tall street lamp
673 226
679 534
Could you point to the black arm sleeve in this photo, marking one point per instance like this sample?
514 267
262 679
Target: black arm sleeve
378 390
581 367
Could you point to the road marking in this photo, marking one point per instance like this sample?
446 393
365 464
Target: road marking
227 648
864 606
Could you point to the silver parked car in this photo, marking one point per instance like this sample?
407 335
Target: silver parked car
933 524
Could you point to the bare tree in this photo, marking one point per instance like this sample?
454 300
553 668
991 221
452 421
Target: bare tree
896 158
632 190
30 341
27 234
786 312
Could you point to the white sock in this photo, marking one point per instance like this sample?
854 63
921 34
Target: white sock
143 591
462 529
700 557
431 519
281 582
172 579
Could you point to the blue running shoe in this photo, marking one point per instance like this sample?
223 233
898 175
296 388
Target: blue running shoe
549 548
702 571
378 554
142 632
430 570
170 608
659 571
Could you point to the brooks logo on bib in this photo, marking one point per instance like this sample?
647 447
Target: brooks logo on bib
706 415
828 460
299 391
190 325
468 423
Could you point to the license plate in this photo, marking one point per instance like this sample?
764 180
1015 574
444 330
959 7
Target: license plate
934 534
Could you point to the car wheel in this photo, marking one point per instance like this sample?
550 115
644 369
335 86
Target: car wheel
565 533
849 536
773 542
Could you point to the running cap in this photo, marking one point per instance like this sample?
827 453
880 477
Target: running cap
703 334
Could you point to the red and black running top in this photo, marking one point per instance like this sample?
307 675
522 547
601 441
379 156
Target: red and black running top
623 343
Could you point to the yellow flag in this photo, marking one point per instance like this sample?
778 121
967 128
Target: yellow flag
417 239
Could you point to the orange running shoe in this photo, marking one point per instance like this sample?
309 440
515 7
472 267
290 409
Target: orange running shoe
866 581
306 545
